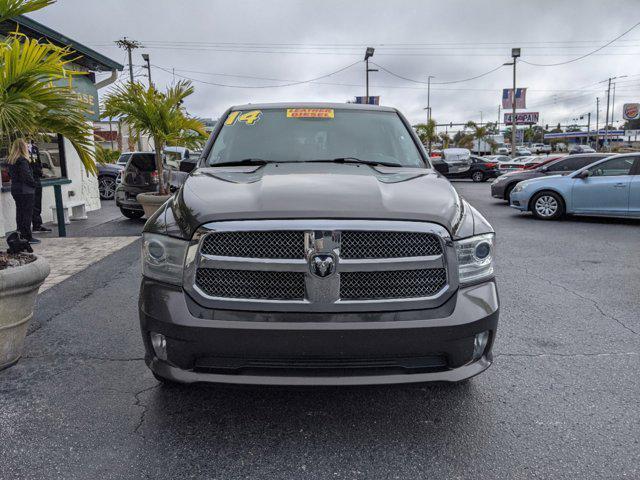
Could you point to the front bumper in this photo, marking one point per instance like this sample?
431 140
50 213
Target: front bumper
497 190
519 201
288 348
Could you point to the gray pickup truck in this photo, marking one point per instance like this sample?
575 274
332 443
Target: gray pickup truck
314 244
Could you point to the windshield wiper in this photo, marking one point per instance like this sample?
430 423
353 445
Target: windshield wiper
245 161
356 160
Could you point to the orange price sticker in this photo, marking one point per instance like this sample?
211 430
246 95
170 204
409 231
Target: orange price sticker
310 113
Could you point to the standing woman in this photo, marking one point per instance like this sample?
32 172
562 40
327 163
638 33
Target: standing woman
22 187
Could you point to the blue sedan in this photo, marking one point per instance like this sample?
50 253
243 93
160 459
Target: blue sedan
609 187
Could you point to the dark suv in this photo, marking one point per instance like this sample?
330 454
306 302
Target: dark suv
139 176
501 187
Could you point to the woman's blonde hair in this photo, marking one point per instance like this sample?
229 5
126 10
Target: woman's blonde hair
19 149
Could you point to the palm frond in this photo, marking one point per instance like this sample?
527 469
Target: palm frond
13 8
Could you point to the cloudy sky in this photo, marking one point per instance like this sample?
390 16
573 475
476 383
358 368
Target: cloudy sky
233 42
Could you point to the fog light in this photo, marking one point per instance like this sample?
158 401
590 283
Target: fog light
479 344
159 344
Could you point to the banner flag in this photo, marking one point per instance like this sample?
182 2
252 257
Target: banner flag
507 98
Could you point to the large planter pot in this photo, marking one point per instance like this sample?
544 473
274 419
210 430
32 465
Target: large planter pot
18 290
151 202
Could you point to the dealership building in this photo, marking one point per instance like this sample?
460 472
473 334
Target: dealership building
61 165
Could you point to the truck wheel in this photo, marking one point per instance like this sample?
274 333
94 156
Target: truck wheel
547 206
132 214
107 187
477 176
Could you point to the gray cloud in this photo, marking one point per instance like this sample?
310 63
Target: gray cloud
464 38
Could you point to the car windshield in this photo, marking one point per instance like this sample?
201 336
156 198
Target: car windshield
315 134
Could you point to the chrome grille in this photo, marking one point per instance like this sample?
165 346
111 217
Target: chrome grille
225 283
392 284
273 265
255 244
369 244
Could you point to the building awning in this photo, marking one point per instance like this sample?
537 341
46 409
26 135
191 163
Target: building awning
89 58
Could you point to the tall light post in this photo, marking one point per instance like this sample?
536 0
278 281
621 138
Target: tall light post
606 119
145 57
515 53
429 96
367 55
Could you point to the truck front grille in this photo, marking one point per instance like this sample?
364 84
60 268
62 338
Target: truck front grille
367 244
392 284
321 265
255 244
224 283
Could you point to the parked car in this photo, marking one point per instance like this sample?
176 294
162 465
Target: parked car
539 148
322 252
499 158
108 178
458 160
481 170
501 187
608 187
503 150
523 152
581 149
516 163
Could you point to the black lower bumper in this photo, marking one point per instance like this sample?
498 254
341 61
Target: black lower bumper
317 349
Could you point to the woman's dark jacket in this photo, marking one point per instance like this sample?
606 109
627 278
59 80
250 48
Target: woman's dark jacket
22 181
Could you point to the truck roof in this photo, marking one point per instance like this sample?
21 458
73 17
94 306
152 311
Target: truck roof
341 106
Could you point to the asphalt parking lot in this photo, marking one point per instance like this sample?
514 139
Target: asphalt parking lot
561 400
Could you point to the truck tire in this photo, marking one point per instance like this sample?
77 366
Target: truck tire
132 214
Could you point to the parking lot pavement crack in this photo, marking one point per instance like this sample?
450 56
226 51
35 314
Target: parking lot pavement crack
595 304
567 355
143 413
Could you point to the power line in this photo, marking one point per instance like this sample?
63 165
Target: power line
262 86
437 83
582 56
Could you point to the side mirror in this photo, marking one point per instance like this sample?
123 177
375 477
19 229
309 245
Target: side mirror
583 174
187 166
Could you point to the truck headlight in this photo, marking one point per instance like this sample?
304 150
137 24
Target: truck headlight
475 258
163 257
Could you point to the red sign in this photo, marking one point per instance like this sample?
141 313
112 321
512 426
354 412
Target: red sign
525 118
631 111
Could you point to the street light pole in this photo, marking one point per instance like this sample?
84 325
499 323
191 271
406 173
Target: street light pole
606 117
515 53
367 55
597 122
429 96
145 57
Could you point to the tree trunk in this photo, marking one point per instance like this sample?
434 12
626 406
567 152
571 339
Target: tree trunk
159 167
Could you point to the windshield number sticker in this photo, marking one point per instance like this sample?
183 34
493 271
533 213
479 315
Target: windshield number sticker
310 113
249 118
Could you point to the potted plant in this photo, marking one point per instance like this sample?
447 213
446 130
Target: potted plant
161 116
21 274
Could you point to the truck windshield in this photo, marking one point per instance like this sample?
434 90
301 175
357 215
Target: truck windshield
314 134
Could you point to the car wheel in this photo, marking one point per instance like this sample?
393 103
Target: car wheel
107 187
133 214
547 206
477 176
507 191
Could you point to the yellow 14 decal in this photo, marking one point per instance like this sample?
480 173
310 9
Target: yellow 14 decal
249 118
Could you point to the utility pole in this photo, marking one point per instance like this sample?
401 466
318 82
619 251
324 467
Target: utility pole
428 98
613 104
597 122
145 57
367 55
606 118
515 53
130 45
588 128
498 124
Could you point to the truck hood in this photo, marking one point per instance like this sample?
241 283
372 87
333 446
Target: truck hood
315 190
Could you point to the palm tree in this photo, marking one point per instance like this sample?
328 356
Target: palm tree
445 139
427 132
157 114
481 133
35 88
